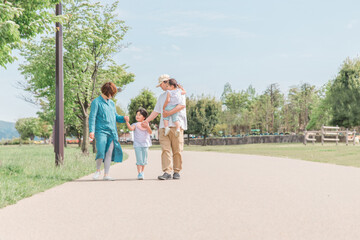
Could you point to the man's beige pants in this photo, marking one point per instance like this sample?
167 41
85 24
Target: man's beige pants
171 145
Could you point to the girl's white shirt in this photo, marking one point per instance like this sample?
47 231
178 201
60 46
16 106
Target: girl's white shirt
175 97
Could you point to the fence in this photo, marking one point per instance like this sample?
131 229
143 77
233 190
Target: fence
329 134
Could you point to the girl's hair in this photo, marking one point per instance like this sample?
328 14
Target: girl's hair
109 89
173 82
143 112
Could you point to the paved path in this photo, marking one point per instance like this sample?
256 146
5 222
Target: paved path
220 196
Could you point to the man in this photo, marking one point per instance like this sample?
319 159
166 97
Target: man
169 144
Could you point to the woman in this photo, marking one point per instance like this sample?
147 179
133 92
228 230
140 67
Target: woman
102 125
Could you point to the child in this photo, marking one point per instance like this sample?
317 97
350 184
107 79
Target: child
173 98
142 140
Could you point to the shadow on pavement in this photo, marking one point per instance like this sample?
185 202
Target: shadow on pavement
116 180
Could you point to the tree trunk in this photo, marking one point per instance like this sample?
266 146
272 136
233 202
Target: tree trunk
204 142
94 146
85 142
65 142
188 138
79 138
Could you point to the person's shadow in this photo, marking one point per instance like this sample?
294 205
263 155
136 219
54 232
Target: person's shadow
115 180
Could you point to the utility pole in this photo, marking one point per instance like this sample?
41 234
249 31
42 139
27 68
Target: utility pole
59 121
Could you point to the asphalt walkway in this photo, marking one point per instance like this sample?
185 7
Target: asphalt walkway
219 196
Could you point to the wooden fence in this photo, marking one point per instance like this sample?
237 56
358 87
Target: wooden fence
329 134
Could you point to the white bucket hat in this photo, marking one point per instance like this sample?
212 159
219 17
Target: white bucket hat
162 78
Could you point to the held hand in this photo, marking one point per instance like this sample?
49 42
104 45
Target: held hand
91 135
126 118
145 124
165 114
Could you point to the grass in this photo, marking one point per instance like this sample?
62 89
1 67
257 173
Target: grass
329 153
29 169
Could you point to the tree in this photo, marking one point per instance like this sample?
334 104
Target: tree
44 129
146 99
190 104
204 115
27 128
92 35
299 105
321 114
276 99
237 105
344 95
22 19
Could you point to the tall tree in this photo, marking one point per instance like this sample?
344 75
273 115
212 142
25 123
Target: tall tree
92 35
204 115
22 19
321 114
276 99
300 103
344 95
27 128
146 99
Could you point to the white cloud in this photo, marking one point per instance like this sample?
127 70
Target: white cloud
175 47
352 24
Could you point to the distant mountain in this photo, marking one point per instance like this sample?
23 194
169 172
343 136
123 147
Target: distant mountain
8 130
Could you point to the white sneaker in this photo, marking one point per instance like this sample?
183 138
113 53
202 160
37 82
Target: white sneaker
96 175
167 130
108 178
177 132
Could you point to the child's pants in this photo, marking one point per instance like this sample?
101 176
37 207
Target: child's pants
141 155
175 116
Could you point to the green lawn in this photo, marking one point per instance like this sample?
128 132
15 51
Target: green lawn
29 169
329 153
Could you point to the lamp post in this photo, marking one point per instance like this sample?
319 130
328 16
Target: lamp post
59 121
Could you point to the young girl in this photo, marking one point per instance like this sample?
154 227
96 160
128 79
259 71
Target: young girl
142 140
173 98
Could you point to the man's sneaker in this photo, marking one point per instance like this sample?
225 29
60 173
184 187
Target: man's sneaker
177 132
165 176
167 130
108 178
141 176
176 176
96 175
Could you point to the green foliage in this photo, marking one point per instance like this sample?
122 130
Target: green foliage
321 113
204 115
191 122
27 127
22 19
31 127
121 128
92 35
271 111
300 103
146 99
344 95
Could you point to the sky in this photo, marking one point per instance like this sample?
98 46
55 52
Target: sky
205 44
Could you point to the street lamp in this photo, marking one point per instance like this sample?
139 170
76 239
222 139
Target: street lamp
59 121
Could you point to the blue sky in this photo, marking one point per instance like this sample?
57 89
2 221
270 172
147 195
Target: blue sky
204 44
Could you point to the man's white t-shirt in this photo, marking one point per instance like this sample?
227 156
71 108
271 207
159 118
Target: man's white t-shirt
182 114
